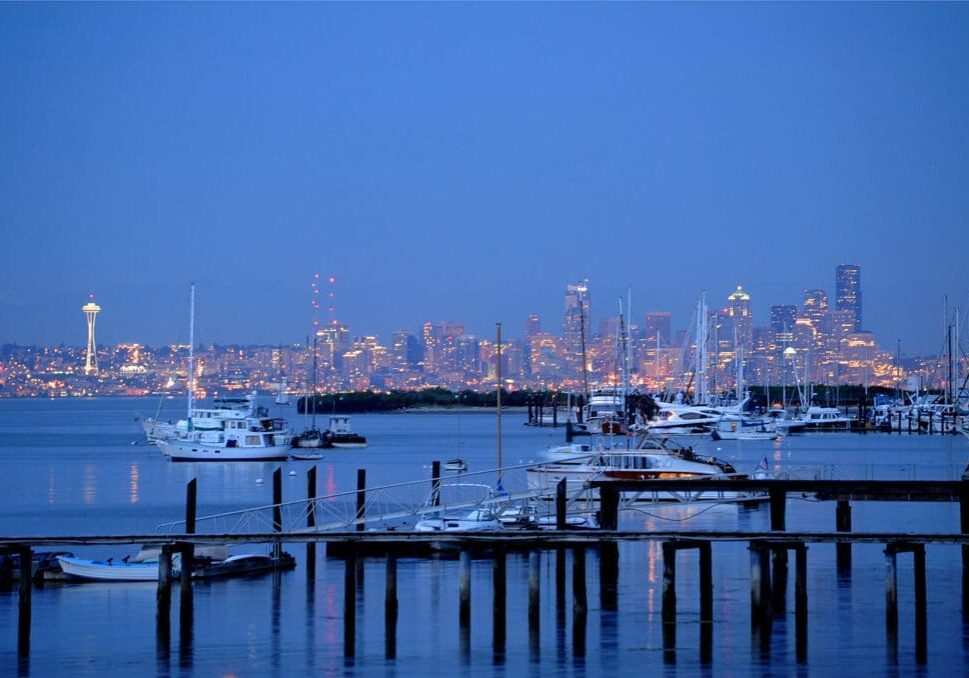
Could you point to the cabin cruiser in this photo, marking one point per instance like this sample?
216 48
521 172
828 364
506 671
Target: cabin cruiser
249 439
826 419
686 419
205 418
653 457
747 429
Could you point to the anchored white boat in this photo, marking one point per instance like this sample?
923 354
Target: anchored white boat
251 439
744 429
205 418
340 435
652 458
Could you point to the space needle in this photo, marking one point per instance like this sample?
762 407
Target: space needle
91 310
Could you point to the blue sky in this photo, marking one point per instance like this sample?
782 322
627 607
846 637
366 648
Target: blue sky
465 161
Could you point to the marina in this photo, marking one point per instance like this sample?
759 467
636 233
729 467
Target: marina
558 611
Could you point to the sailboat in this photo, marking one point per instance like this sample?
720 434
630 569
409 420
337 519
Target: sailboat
311 437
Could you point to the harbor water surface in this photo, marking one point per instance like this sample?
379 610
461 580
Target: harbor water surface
74 467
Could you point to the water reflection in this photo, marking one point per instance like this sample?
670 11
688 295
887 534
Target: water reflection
133 478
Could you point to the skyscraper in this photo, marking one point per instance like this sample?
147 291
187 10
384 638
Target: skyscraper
575 327
782 318
738 308
847 279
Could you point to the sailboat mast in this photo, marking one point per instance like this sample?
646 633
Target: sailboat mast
498 395
191 352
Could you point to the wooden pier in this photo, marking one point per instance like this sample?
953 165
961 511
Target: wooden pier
769 551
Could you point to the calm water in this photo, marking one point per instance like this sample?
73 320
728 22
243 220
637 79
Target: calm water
70 467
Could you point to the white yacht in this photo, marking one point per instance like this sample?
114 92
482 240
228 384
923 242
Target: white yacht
249 439
205 418
826 419
653 458
478 520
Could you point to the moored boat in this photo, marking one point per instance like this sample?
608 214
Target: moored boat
250 439
108 570
339 434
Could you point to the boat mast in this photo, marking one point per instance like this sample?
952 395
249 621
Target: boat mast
191 352
700 388
498 397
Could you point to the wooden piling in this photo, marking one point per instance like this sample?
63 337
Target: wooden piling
311 522
464 588
560 587
760 583
560 505
609 508
669 583
350 604
499 586
921 605
25 589
390 607
800 602
163 603
534 589
277 500
186 606
964 528
842 518
361 497
436 483
609 575
191 496
778 509
580 606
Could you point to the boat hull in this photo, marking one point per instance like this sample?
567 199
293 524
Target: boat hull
99 570
193 451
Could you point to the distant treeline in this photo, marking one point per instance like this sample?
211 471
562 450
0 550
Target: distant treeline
369 401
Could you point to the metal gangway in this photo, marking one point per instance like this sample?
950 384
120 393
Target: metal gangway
504 491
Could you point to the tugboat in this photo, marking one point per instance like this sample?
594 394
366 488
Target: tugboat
340 435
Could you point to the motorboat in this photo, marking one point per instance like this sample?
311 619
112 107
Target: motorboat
243 564
309 456
340 435
456 465
675 419
212 418
43 565
110 569
744 429
249 439
477 520
826 419
605 412
653 457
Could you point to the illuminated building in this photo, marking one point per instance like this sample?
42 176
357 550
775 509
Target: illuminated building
738 309
847 280
575 327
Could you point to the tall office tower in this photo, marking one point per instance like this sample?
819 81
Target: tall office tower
440 343
657 322
815 304
91 310
334 341
738 308
782 318
575 328
406 351
847 280
533 326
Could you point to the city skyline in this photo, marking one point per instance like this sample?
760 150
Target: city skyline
444 167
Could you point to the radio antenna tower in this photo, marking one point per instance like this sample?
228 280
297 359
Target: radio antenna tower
330 300
315 303
91 310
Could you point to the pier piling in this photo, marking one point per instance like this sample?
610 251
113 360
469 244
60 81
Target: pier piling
24 602
534 600
843 524
311 522
390 607
436 483
891 599
464 588
560 505
361 497
163 604
499 586
670 548
580 605
350 603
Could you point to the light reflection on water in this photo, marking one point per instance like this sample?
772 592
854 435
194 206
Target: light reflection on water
99 483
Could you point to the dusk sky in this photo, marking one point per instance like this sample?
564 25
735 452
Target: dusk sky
465 162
